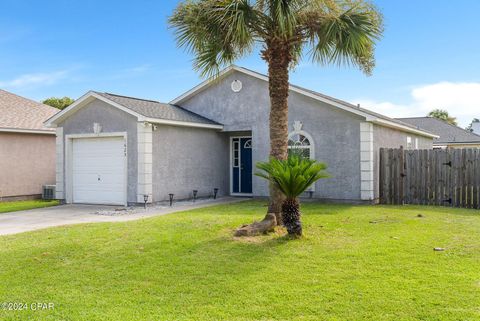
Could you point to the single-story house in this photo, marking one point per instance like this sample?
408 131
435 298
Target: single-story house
27 147
450 136
114 149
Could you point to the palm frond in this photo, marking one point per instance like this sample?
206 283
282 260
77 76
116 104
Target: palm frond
217 32
292 176
342 32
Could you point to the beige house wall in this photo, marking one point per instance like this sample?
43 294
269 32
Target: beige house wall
463 145
27 161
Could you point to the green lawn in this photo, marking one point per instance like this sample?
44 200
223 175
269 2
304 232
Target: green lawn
25 205
354 263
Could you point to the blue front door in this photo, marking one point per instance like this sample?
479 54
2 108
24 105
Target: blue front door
242 165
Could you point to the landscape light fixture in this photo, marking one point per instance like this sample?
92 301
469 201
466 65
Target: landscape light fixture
145 200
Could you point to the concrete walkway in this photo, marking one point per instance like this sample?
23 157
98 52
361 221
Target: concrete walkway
30 220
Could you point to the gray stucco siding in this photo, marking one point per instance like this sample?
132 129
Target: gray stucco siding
335 132
336 135
112 120
187 159
247 110
385 137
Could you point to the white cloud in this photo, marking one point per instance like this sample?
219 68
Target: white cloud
139 69
35 79
461 100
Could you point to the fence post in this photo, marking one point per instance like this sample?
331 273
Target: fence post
401 183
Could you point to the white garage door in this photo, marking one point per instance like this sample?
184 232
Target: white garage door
99 170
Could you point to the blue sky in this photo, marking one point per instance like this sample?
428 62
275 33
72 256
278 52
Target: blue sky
428 57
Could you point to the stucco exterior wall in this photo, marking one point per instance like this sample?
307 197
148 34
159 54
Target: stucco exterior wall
187 159
391 138
27 162
335 132
460 146
112 120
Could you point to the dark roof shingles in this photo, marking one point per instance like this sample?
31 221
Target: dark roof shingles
155 109
448 133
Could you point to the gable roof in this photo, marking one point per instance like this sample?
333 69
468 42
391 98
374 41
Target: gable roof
19 114
155 109
370 116
449 134
143 109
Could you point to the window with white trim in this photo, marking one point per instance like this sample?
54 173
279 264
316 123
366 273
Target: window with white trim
300 144
236 153
248 144
409 142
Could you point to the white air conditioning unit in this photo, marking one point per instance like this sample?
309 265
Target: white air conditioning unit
48 192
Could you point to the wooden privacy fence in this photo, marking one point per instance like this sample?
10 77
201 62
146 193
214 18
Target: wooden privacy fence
430 177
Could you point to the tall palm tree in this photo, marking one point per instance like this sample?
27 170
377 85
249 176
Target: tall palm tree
219 32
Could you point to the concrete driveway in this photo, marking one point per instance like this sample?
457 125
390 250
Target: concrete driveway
23 221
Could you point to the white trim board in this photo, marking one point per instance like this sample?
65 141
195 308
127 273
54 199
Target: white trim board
344 106
366 162
145 162
182 123
27 131
455 143
59 165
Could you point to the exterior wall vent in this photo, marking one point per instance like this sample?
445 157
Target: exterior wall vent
48 192
237 86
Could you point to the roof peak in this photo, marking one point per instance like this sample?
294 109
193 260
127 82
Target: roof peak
136 98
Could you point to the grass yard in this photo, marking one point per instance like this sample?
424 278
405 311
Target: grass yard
354 263
14 206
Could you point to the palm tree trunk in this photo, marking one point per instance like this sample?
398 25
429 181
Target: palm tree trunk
278 57
291 217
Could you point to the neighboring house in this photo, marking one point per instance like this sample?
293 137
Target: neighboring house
450 136
115 150
27 147
476 127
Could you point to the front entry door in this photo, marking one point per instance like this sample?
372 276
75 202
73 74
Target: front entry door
242 165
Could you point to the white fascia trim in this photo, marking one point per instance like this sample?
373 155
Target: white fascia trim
181 123
391 124
456 143
27 131
82 101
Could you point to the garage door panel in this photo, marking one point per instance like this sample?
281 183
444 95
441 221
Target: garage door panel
98 168
92 180
92 197
99 171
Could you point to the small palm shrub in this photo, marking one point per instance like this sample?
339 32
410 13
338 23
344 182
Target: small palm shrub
292 177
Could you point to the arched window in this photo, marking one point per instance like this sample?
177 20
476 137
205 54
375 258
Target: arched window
300 142
248 144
